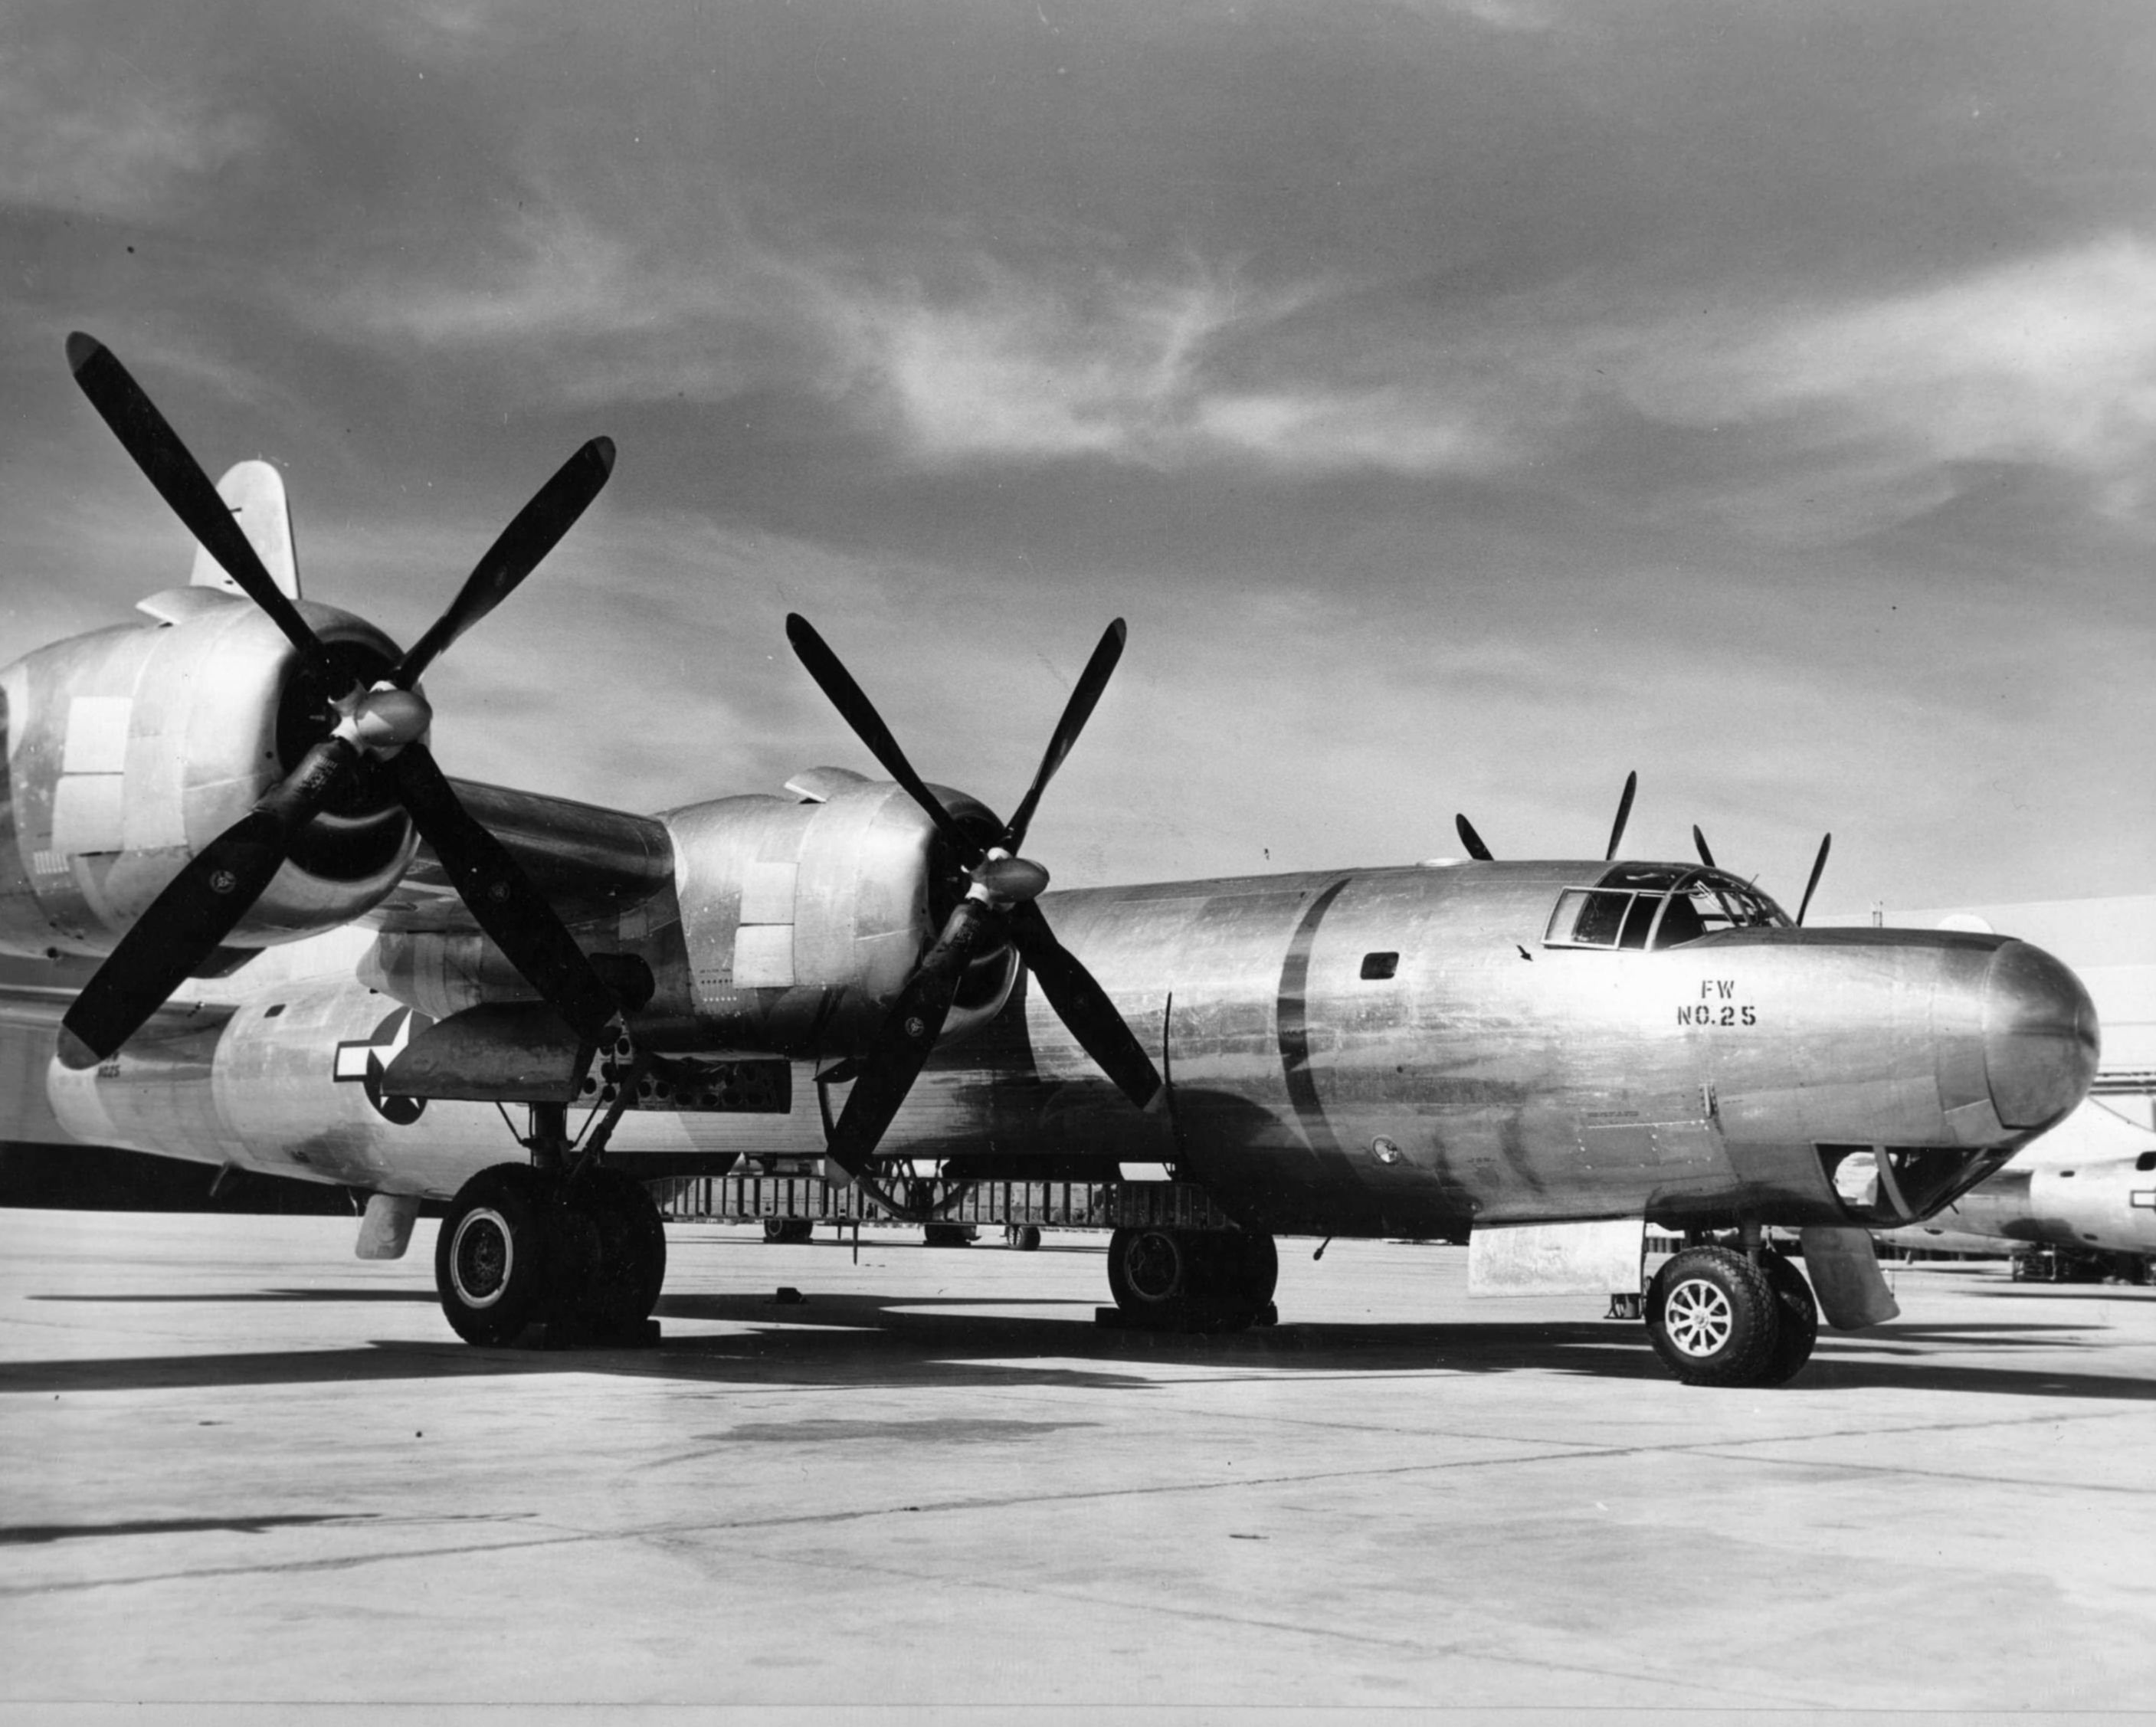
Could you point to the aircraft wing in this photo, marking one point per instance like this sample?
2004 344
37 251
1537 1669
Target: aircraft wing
589 862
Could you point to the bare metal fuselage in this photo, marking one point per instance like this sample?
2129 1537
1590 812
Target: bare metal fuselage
1491 1078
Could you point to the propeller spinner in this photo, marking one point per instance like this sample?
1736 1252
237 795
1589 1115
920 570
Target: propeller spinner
202 905
998 907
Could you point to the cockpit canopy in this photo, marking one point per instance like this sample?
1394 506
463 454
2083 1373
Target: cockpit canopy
1657 906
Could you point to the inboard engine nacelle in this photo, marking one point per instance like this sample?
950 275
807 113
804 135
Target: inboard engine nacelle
130 749
802 920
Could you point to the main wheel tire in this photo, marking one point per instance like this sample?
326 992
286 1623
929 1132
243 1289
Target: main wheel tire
789 1231
1796 1321
629 1262
1712 1318
1149 1271
494 1257
1255 1268
1190 1280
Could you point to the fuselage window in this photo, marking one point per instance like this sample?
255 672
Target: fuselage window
1597 917
2146 1161
1380 965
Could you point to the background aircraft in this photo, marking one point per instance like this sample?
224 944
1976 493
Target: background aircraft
308 944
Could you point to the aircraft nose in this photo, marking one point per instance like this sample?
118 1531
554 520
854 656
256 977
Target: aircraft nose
2041 1040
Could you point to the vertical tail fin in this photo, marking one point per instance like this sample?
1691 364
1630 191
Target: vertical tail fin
255 491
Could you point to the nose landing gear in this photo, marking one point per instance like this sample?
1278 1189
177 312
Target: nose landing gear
1716 1318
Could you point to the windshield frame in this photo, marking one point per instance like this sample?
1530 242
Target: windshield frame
1719 901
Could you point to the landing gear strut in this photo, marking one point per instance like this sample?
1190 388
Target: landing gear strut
1718 1318
1191 1280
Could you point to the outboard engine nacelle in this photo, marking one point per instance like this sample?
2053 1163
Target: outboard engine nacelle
128 750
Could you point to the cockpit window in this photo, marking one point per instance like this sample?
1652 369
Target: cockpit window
1657 906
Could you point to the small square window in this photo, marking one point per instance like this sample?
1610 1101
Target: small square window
1380 965
2146 1161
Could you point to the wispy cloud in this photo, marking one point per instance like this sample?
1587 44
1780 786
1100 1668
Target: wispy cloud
87 132
2049 360
1165 374
989 365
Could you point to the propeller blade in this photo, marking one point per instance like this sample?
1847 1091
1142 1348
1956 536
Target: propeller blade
507 906
535 532
145 433
1819 864
860 712
1471 839
1076 712
199 908
1699 841
1624 815
1083 1006
900 1047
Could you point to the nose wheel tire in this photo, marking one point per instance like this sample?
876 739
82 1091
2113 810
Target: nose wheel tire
1796 1321
1715 1319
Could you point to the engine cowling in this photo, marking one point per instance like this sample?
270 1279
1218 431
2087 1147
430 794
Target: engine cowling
130 749
801 919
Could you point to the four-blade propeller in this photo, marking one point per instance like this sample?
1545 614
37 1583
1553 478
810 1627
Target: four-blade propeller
202 905
997 907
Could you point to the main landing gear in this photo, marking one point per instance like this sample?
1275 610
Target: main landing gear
576 1246
1193 1280
1717 1317
583 1254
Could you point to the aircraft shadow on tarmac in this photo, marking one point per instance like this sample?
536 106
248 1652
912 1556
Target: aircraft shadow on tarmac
911 1343
422 1298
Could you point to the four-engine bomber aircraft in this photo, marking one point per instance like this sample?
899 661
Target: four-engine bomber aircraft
317 955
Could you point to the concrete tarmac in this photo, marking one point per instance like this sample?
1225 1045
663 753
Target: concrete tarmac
244 1468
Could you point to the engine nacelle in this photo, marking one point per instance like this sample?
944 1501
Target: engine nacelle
802 919
130 749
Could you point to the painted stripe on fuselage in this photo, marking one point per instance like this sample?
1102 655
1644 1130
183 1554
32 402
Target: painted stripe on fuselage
1291 1014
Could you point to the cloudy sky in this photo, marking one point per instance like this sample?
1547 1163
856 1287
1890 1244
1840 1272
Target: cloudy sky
1465 403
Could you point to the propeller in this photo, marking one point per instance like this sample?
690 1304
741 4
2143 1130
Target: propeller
202 905
1482 854
1819 864
1623 815
998 907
